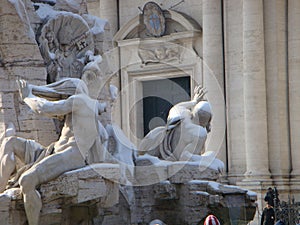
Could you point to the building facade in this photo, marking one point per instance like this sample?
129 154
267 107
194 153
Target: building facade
247 55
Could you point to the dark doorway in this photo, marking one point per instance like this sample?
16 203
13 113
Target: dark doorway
159 96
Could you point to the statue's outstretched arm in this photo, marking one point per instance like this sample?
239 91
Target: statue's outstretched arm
41 105
48 108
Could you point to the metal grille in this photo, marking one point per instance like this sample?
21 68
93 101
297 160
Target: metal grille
288 211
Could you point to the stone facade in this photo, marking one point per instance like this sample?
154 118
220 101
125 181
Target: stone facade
246 53
25 62
249 60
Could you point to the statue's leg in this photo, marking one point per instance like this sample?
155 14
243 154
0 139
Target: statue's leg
191 152
32 199
7 166
10 147
193 144
47 169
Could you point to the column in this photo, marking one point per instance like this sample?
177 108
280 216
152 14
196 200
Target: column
294 81
277 91
233 16
93 7
213 73
256 137
109 11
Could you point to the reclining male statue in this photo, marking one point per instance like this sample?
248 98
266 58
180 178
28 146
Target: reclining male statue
67 98
183 138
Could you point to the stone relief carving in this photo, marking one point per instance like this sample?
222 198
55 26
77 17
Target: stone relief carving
160 54
65 39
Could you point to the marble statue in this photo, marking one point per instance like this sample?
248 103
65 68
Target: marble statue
79 135
92 174
123 151
185 133
83 139
64 49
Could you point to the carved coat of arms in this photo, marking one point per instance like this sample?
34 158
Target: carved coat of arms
154 19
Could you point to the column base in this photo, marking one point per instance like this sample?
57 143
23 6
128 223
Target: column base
257 176
295 174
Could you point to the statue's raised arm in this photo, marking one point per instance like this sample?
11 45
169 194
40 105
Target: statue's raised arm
44 106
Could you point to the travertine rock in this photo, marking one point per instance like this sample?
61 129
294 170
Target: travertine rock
191 202
182 172
151 170
82 188
75 6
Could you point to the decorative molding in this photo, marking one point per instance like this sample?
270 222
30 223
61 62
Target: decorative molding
188 24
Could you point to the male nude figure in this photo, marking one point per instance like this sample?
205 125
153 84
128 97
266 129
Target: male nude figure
78 135
184 136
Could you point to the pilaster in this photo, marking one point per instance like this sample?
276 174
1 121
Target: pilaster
294 82
256 137
213 73
277 92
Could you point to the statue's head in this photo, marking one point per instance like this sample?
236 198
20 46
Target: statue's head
202 115
93 76
50 35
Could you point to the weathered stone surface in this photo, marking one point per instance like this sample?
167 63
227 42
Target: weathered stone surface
64 42
76 6
191 202
82 185
182 172
20 58
83 195
146 173
165 190
15 23
151 171
71 191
